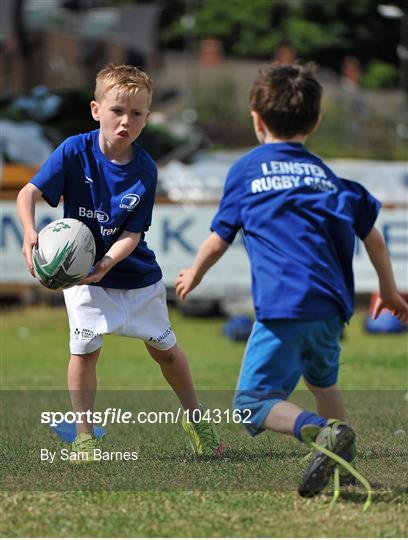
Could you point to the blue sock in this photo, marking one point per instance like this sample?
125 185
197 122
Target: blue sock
307 418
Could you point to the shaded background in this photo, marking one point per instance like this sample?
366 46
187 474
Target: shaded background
203 56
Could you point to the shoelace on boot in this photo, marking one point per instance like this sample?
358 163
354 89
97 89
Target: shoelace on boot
336 476
206 432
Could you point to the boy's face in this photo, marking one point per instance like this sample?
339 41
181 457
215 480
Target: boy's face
121 116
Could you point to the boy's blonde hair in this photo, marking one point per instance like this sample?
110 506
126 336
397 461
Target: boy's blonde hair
123 78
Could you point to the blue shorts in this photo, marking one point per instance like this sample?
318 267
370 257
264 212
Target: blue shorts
278 353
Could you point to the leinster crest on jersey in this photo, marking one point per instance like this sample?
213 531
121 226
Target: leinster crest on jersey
129 201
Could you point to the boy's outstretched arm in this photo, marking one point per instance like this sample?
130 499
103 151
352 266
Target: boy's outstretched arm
210 251
388 297
122 248
26 200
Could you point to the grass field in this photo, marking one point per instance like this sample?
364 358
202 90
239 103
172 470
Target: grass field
252 492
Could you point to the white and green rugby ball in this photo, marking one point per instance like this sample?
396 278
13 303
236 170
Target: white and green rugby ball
64 254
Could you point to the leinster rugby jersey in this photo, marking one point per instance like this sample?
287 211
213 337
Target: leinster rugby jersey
299 222
109 198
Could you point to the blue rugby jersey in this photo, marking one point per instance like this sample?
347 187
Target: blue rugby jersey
299 222
109 198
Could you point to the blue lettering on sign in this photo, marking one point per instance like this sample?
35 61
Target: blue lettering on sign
395 234
9 225
170 234
391 238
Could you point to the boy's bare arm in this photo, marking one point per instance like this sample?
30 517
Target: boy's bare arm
26 201
389 297
122 248
210 251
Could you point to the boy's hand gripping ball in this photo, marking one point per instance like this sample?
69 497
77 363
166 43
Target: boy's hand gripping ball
64 254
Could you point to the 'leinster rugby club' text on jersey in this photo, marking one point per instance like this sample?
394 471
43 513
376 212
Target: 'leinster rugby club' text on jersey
299 222
109 198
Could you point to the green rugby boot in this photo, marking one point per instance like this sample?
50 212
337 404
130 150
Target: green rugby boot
82 449
336 438
204 438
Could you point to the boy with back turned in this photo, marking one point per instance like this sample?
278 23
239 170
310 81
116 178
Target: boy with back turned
299 222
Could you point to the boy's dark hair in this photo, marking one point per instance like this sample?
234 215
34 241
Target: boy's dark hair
287 98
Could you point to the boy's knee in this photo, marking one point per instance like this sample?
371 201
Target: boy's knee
320 390
86 357
168 356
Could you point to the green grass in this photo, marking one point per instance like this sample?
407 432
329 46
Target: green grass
252 492
34 355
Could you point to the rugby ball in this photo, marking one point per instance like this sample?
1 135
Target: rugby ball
64 254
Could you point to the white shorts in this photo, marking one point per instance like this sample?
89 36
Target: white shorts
140 313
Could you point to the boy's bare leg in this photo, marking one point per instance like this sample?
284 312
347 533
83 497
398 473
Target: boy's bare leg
82 385
329 401
282 417
176 371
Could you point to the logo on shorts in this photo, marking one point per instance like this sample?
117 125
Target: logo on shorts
129 201
163 336
85 334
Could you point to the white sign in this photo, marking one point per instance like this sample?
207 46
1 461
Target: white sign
177 233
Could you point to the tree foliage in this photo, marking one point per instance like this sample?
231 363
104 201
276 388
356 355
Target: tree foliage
322 30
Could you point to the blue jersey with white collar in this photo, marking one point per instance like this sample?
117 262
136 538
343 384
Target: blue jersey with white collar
299 222
109 198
